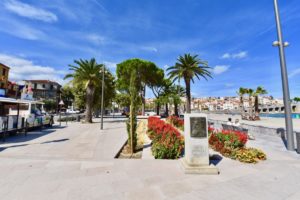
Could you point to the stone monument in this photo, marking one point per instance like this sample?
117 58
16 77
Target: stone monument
196 157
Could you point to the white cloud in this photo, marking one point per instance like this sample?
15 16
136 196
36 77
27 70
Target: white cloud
219 69
96 39
22 69
20 30
226 55
242 54
110 65
146 48
294 73
26 10
229 84
239 55
166 67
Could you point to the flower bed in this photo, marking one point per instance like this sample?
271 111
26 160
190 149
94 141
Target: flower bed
176 121
167 142
232 144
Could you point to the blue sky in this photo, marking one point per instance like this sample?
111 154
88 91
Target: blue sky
40 38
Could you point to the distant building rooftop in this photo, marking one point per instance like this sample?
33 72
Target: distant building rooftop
42 81
4 65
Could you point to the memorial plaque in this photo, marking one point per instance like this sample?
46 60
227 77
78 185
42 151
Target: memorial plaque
198 127
196 152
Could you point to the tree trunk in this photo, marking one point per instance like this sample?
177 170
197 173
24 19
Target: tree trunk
90 90
131 128
188 95
256 104
250 107
242 105
143 100
176 109
157 108
167 110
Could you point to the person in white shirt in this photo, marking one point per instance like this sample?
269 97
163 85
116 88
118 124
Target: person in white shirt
229 122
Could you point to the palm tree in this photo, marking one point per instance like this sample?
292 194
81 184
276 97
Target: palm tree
86 72
259 90
242 91
188 67
250 93
296 99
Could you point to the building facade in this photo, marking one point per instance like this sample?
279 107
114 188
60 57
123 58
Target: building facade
4 71
44 89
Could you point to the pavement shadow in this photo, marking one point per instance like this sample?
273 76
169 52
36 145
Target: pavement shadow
55 141
13 146
19 138
281 132
215 159
23 145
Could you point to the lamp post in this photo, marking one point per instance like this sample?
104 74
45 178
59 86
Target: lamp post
61 103
102 97
285 84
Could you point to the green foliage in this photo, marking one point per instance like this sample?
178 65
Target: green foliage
133 91
169 148
188 67
50 105
87 85
122 99
232 146
146 73
67 95
87 74
167 142
297 99
79 95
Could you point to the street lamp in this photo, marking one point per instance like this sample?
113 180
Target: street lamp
61 103
102 96
285 84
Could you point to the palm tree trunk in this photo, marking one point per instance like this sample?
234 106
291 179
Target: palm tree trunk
157 108
167 110
176 109
242 105
256 104
250 107
188 95
90 90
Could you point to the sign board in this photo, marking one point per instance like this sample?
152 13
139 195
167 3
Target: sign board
196 140
25 96
2 92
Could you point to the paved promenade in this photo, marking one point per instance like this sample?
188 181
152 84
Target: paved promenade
76 162
265 121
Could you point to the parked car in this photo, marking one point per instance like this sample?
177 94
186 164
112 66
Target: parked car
69 111
151 113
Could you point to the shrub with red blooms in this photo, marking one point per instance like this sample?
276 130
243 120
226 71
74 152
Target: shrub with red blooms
176 121
232 144
167 141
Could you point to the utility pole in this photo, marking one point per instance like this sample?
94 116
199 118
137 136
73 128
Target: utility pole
285 83
102 96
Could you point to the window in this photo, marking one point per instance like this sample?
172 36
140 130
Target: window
51 87
44 86
3 72
35 86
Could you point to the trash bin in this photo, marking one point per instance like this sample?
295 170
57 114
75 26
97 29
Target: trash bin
78 118
298 142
